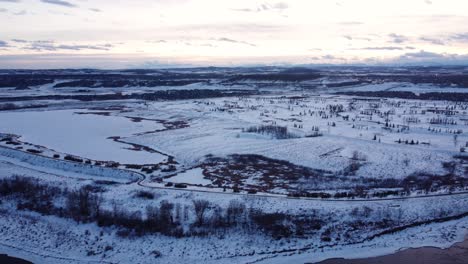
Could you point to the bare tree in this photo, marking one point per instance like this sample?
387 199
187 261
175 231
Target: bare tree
200 207
234 211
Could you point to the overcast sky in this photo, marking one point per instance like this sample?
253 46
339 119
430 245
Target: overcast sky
165 33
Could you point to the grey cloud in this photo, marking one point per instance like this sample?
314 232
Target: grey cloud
351 23
208 45
395 38
422 54
3 10
429 2
95 10
328 57
460 37
20 13
279 6
81 47
157 41
442 40
242 9
348 37
19 40
59 2
10 1
235 41
386 48
40 46
49 45
3 44
431 58
57 61
432 40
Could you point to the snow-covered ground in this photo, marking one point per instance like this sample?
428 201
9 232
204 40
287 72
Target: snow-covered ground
387 138
44 239
380 131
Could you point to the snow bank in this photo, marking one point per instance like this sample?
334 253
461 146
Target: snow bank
70 167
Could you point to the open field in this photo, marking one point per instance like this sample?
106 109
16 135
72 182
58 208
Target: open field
302 173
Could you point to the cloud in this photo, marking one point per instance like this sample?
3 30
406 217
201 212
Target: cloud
329 57
95 10
349 37
387 48
82 47
460 37
235 41
430 58
59 2
3 10
49 45
157 41
279 6
350 23
429 2
395 38
422 54
19 40
10 1
4 44
57 61
433 41
20 13
443 40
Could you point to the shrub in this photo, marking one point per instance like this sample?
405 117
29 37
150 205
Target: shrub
73 158
145 195
34 151
180 185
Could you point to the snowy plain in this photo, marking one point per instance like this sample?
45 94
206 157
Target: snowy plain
216 127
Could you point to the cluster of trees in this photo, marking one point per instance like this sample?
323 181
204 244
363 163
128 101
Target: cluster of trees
411 119
278 132
450 131
151 96
23 80
315 132
12 106
442 121
86 205
335 109
73 158
30 193
408 142
204 218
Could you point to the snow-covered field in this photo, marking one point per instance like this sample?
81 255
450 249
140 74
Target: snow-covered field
44 239
386 138
320 143
216 128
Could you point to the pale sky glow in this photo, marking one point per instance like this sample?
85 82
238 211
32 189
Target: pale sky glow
158 33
